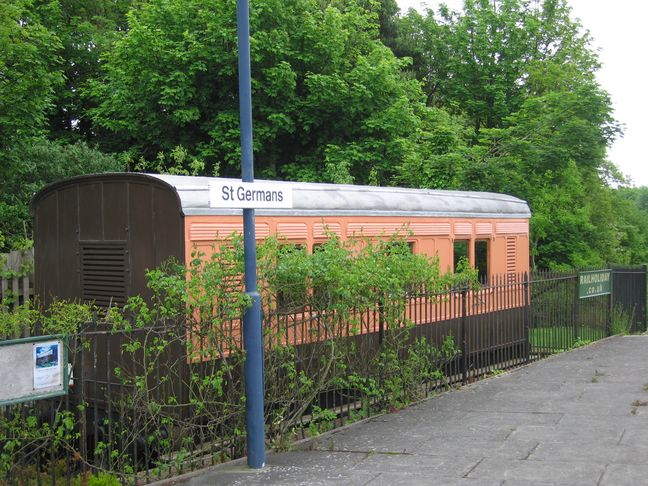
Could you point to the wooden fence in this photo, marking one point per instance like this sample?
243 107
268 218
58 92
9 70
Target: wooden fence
16 277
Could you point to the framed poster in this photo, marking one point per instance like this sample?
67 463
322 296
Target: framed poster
33 368
48 371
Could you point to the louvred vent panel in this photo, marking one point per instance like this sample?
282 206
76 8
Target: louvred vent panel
103 273
511 246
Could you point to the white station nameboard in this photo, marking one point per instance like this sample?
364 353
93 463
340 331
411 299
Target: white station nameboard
249 195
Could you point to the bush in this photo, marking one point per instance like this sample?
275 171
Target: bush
28 167
181 356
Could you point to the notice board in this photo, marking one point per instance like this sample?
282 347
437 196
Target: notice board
33 368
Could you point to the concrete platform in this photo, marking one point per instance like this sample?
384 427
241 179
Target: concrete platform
577 418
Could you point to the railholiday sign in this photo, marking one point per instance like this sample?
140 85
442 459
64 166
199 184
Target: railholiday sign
594 283
249 195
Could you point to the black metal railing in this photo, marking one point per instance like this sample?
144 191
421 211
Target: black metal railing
155 402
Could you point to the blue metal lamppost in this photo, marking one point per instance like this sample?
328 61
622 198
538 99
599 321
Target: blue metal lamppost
252 330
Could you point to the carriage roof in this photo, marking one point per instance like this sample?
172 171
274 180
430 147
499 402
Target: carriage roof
342 199
317 199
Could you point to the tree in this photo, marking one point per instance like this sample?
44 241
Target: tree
29 71
551 153
522 76
330 102
86 30
486 60
443 157
631 210
501 96
29 166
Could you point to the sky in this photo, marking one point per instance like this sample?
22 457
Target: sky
617 29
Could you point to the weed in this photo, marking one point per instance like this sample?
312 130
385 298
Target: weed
597 375
283 442
636 404
357 415
579 343
331 444
322 420
621 321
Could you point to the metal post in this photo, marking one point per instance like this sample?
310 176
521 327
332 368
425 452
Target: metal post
576 331
643 298
527 332
610 305
608 321
464 347
252 330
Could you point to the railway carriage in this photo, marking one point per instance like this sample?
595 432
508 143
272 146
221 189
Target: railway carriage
95 235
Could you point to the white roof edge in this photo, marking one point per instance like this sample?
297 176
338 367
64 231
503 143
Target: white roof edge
316 199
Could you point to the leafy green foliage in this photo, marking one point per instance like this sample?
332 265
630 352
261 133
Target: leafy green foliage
536 124
85 29
28 167
500 96
621 321
558 142
313 305
630 205
178 380
62 317
342 289
14 323
330 102
486 60
24 431
29 70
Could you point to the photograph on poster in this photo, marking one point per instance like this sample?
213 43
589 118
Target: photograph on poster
47 365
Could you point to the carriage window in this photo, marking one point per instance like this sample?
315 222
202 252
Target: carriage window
460 251
481 260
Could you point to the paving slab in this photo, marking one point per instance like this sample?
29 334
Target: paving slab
623 474
552 472
577 418
389 479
